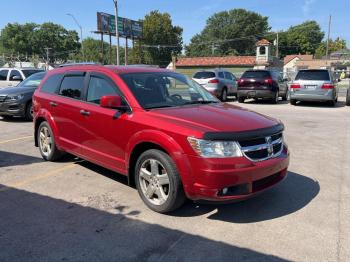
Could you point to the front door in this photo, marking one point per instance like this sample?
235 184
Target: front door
104 138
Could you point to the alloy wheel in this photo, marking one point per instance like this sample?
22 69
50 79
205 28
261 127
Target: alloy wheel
45 141
154 182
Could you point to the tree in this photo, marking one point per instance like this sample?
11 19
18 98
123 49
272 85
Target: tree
161 39
301 39
229 32
334 45
32 39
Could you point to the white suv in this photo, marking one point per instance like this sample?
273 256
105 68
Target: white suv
13 76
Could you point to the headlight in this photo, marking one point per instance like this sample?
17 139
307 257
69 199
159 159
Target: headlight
14 97
215 149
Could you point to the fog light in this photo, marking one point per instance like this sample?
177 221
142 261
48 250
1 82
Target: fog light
224 191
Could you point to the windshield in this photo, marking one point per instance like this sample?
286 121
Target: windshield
33 80
256 74
157 90
29 72
321 75
204 75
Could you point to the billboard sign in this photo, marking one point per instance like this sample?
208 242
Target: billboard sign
126 27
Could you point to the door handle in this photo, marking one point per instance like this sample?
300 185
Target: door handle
53 104
84 112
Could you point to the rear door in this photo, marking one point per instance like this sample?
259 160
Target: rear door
231 83
67 111
4 77
311 81
204 77
103 135
254 80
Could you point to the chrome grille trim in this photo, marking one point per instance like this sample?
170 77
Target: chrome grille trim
268 146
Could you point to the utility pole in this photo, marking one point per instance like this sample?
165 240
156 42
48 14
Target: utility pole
277 46
47 56
329 33
81 34
116 29
126 51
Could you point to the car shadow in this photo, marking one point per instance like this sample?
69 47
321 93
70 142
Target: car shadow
8 159
264 102
339 104
14 120
41 228
291 195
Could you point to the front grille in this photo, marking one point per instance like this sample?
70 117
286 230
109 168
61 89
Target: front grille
263 148
2 98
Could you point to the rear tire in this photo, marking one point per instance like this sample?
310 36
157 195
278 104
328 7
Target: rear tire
348 98
158 181
47 144
223 96
241 99
293 102
276 98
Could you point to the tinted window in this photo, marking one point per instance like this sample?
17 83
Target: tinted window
72 86
3 75
99 87
228 76
256 74
204 75
29 72
322 75
221 75
33 81
51 84
13 74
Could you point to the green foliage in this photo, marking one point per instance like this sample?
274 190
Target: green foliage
31 39
334 45
159 30
301 39
245 27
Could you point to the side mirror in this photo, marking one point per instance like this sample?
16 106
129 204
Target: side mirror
17 78
111 101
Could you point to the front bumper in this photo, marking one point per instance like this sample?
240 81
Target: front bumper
265 94
227 180
12 109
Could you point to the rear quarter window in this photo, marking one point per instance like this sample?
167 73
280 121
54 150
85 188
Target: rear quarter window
204 75
316 75
256 74
51 84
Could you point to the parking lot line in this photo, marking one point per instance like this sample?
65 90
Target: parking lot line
15 139
38 177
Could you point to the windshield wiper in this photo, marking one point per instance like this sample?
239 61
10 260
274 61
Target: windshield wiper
200 102
155 107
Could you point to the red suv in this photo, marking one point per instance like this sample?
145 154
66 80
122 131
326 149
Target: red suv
171 137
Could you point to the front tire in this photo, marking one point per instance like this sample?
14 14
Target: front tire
241 99
47 144
29 112
158 181
276 98
223 96
293 102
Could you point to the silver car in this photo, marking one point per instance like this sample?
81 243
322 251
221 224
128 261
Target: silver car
314 85
219 82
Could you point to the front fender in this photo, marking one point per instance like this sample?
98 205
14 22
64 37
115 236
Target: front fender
168 144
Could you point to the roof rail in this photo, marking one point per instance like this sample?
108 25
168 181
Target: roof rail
83 63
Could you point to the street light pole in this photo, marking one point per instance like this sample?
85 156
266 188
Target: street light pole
81 34
116 29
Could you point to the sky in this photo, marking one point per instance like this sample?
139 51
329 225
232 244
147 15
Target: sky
191 15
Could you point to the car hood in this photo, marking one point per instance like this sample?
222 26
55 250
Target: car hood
219 117
17 90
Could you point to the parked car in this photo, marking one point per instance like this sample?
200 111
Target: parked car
171 137
218 82
13 76
348 97
314 85
262 84
17 101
